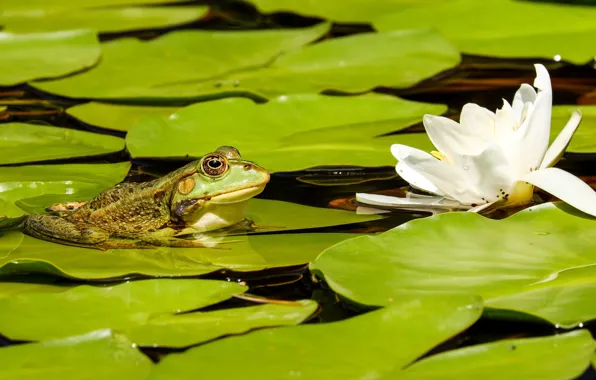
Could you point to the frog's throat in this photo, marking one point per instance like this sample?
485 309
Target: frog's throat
238 195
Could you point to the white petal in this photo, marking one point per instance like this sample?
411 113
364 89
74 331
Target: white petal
416 179
449 137
531 140
566 187
488 174
448 178
557 148
484 207
504 121
424 202
525 94
542 81
477 121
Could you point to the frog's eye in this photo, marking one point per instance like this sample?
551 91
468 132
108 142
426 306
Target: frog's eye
214 165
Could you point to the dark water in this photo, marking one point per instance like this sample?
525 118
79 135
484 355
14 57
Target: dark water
477 79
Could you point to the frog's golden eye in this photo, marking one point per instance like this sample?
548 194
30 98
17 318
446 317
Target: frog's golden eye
214 165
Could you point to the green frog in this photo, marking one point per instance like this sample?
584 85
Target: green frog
204 195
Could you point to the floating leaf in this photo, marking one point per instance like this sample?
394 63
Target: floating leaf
584 139
48 184
465 252
193 328
85 308
563 356
373 343
20 142
39 6
101 20
350 11
116 116
355 63
25 56
288 133
111 356
291 216
24 254
500 27
188 55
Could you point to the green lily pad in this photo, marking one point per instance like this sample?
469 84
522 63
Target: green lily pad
355 63
36 6
189 56
193 328
348 11
48 184
21 142
116 116
11 289
288 133
98 355
465 252
584 139
86 308
563 356
102 20
25 56
286 216
501 28
360 347
23 254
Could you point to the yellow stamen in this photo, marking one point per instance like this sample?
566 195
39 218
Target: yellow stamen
438 155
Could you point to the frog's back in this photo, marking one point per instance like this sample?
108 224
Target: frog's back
133 208
128 208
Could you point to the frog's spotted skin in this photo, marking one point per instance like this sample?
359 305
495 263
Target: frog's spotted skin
204 195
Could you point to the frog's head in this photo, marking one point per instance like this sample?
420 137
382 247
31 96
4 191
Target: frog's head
217 191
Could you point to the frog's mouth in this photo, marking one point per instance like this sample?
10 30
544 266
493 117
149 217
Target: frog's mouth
238 195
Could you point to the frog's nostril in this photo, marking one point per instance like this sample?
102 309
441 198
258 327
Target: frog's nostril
247 166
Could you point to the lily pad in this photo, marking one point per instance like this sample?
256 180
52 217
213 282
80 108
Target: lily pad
48 184
563 356
21 142
193 328
188 56
355 63
288 133
117 116
348 11
102 20
23 254
286 216
584 139
500 27
86 308
25 56
98 355
371 344
39 6
465 252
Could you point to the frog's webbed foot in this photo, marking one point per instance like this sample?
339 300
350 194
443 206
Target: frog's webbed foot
243 227
211 243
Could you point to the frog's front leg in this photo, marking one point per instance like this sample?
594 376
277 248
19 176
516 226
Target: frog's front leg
59 230
167 237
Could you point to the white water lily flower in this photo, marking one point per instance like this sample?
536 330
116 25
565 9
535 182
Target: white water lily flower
493 159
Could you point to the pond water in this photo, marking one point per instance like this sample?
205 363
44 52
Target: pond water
476 79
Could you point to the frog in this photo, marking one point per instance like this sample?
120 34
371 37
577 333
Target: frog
208 194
